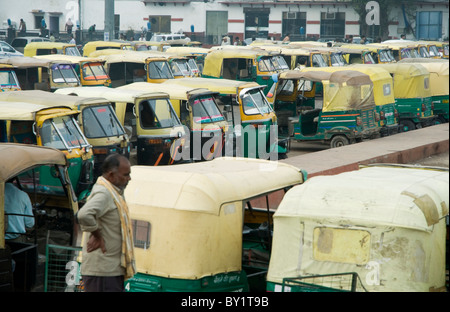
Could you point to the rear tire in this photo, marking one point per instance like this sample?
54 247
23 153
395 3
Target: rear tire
338 141
407 125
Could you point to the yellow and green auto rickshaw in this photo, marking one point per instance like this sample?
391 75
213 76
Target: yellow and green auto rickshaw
93 46
43 74
56 127
383 91
439 85
29 168
157 140
252 121
390 237
214 208
346 115
244 64
8 78
400 50
356 54
124 67
198 111
90 71
380 53
97 120
48 48
195 55
412 94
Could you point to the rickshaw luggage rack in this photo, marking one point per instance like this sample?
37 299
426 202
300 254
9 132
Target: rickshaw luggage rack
338 282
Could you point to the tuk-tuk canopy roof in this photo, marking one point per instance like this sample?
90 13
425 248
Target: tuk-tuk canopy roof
28 111
48 45
223 86
175 91
112 94
50 98
373 196
27 62
70 58
410 80
128 56
188 50
204 187
19 157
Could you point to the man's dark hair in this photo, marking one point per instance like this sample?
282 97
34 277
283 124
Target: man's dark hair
112 162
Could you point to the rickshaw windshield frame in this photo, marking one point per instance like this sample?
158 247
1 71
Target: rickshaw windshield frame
64 72
159 70
205 110
158 111
62 133
254 102
100 121
94 71
9 80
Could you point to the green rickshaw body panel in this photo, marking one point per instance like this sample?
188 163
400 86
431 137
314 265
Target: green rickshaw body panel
224 282
441 106
411 108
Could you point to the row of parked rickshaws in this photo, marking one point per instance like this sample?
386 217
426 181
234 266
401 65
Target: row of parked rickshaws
232 221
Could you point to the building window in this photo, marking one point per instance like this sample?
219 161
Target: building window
141 234
332 25
429 25
293 22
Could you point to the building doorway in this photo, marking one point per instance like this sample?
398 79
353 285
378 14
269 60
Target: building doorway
256 23
216 26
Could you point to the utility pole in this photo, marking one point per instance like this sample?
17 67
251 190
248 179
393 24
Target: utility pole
109 18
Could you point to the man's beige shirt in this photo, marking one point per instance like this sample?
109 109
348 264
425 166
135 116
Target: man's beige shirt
100 212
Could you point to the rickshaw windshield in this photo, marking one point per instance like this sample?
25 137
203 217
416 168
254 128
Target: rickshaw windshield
180 67
62 133
423 52
254 102
318 61
368 59
279 62
159 70
101 121
405 53
127 47
385 56
94 71
8 79
193 66
337 59
64 73
157 113
72 51
265 65
434 51
205 110
446 50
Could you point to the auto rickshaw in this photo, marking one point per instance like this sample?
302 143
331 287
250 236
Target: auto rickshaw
412 95
240 64
198 111
383 91
97 120
356 54
380 53
90 71
390 237
400 50
124 67
93 46
347 113
161 46
56 127
202 227
439 84
43 74
28 167
157 141
253 113
48 48
8 78
195 55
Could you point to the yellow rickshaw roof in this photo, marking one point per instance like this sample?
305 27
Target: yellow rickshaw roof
100 43
333 74
28 111
27 61
175 91
224 86
127 56
112 94
48 45
188 50
391 191
19 157
50 98
236 52
404 69
204 187
69 58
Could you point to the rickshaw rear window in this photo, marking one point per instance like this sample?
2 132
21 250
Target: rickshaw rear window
141 234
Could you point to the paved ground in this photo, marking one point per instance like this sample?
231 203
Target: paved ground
427 146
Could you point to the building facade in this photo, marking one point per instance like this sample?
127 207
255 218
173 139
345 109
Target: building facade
209 20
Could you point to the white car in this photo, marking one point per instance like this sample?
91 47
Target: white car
165 37
8 51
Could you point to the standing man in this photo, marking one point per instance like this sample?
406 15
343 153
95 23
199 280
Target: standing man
69 26
19 211
22 27
108 250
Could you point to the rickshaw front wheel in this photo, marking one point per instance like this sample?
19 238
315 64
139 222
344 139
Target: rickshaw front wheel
338 141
